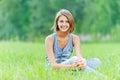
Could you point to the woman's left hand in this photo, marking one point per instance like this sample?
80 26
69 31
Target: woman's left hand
81 63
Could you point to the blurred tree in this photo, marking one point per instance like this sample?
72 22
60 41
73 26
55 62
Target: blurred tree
33 19
17 18
100 16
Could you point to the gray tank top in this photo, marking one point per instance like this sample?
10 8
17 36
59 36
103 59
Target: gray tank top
62 54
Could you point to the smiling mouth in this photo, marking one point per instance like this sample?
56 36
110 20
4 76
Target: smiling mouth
64 27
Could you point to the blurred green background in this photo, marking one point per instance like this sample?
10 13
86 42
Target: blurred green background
31 20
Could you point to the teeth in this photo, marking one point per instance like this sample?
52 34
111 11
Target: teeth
63 26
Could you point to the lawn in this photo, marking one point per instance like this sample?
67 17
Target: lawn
26 61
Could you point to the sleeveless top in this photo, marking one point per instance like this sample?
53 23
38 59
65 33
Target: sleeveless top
62 54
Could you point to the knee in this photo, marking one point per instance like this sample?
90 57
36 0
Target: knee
97 61
94 62
74 58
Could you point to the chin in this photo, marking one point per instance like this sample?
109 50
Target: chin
64 30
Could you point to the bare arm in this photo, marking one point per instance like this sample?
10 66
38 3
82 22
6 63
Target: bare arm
76 42
51 57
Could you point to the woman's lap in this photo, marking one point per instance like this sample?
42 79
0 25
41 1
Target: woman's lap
92 64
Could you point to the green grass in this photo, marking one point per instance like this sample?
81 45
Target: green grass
26 61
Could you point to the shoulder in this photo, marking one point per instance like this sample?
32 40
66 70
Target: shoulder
49 38
75 37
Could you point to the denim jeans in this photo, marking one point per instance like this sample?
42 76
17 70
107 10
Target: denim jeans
92 64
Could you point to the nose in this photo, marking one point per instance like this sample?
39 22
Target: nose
64 23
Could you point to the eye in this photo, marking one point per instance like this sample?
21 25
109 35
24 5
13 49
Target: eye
61 21
67 21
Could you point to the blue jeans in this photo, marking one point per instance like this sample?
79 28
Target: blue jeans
92 64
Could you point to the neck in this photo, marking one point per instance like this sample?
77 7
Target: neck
62 34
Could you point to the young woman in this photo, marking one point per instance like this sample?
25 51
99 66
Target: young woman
59 45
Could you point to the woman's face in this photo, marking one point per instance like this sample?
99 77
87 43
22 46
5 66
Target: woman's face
63 24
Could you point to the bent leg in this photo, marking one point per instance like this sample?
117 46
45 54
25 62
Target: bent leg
94 63
70 61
